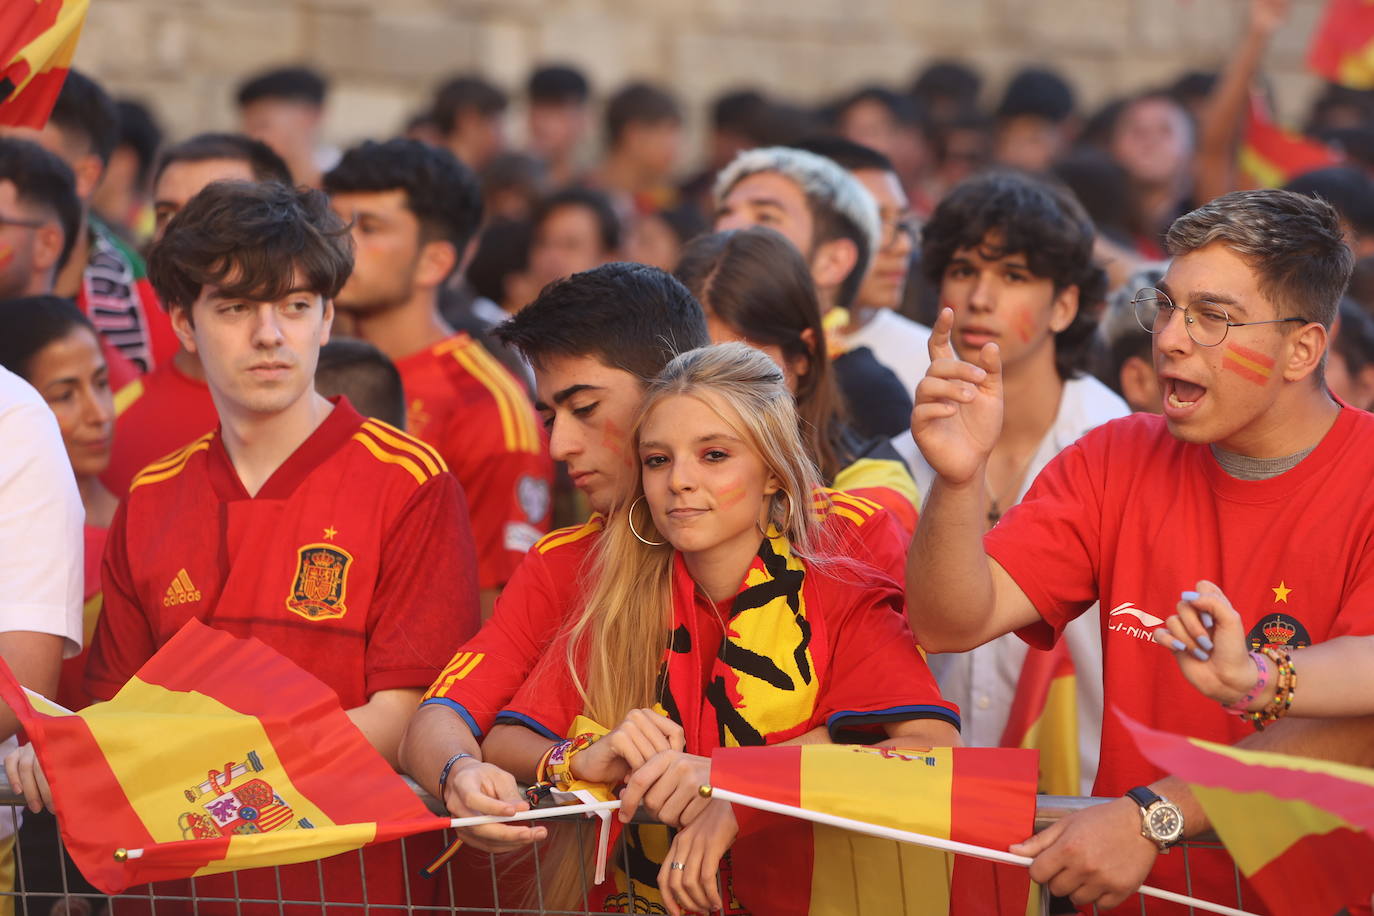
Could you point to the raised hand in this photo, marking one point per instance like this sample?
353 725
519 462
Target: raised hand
958 412
1207 638
626 747
1267 15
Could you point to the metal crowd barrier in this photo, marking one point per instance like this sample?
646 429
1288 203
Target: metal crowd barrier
476 885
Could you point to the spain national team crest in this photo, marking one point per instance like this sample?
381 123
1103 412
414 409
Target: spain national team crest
321 581
1282 631
236 801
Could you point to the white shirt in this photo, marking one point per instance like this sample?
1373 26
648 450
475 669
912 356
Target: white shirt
983 682
41 520
898 343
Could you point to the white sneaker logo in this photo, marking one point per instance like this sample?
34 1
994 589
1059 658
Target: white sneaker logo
1118 623
1129 609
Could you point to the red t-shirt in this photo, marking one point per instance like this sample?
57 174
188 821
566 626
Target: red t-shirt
354 559
154 416
70 692
1130 517
487 670
463 402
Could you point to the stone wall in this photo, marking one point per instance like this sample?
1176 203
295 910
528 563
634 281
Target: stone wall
185 56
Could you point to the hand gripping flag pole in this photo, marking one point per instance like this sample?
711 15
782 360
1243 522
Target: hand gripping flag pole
921 839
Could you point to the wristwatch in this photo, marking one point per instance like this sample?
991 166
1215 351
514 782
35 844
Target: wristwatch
1161 822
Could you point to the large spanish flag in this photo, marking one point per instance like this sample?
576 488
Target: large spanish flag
219 754
1342 47
1299 829
37 42
1044 716
785 867
1270 155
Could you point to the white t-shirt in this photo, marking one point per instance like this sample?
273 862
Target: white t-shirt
41 520
983 681
898 343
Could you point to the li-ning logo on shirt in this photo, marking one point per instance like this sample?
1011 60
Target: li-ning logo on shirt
181 591
1128 609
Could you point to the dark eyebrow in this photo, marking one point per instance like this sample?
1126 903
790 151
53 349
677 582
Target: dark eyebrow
216 297
560 396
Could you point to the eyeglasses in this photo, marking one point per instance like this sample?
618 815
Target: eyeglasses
1206 323
904 225
24 223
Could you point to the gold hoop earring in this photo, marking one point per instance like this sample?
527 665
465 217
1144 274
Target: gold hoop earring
788 526
630 520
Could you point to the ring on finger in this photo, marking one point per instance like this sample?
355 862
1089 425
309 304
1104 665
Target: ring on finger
677 866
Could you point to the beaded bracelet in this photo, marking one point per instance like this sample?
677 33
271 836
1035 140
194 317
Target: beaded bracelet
1242 706
1285 687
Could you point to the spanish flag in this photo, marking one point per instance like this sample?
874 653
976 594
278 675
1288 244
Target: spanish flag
37 42
1299 829
982 796
1044 716
1342 47
218 755
1270 156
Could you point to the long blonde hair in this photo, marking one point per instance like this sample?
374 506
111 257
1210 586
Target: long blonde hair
615 646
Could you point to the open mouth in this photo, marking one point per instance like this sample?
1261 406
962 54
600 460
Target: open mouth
1181 395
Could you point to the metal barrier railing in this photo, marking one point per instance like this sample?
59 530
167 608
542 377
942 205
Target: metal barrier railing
47 884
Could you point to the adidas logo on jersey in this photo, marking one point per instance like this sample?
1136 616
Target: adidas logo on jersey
181 591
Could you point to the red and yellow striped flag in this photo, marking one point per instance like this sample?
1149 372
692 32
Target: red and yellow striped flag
37 42
1270 156
1300 830
219 754
983 796
1342 47
1044 716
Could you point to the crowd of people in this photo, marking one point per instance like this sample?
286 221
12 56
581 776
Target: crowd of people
566 471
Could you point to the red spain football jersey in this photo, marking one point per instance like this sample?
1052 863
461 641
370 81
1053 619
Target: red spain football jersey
154 416
1129 517
487 671
354 560
463 402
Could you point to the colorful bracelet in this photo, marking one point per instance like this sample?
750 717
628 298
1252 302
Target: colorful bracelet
1242 706
556 767
1285 688
443 774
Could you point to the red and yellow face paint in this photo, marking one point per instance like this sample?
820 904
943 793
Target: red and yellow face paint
732 496
1250 365
1025 326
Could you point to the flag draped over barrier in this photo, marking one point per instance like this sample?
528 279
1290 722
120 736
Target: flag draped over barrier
37 41
1342 47
219 754
982 796
1300 830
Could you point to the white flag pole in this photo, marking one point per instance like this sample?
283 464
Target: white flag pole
921 839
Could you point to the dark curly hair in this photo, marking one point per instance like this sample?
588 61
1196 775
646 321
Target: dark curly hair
255 240
1030 217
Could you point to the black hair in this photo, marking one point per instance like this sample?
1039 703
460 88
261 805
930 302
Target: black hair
1033 218
558 84
1192 86
262 160
1335 97
639 103
362 373
1102 186
82 107
139 131
848 155
521 173
904 109
629 316
598 202
947 84
442 192
289 84
1039 93
1355 339
30 323
1100 126
504 249
1349 190
463 94
43 179
737 110
254 240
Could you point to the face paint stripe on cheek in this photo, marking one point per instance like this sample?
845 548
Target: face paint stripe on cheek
1249 364
732 496
1025 326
